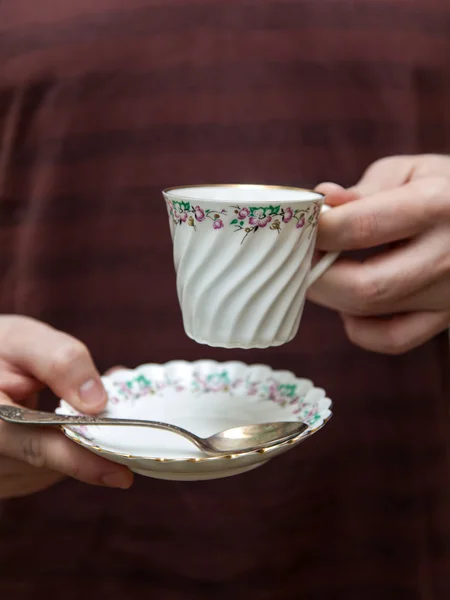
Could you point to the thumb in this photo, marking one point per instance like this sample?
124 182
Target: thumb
54 358
46 448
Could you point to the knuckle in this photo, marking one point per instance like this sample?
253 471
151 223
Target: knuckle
46 453
364 230
386 163
369 292
381 163
71 468
70 352
33 451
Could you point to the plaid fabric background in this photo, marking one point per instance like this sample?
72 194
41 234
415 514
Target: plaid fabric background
102 105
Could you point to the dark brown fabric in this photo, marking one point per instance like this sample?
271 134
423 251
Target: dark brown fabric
103 104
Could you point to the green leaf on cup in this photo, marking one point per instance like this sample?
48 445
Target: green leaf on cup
274 210
267 211
182 206
233 222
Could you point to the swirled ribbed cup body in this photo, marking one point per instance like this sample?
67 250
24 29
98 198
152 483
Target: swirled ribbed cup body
242 256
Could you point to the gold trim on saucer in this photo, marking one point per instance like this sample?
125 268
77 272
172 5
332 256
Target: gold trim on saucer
75 437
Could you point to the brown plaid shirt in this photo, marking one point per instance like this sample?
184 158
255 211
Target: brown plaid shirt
104 103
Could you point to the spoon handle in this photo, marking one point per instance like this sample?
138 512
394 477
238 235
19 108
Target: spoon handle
25 416
14 414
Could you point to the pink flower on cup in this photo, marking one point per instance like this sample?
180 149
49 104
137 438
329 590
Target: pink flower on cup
218 224
243 213
259 219
300 222
288 214
199 213
181 215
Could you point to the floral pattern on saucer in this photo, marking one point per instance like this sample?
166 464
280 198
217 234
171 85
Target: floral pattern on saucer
290 394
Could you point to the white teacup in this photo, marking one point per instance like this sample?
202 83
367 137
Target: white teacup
243 256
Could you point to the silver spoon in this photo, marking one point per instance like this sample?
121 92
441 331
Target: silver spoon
248 438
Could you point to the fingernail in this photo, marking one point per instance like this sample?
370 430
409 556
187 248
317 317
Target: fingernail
118 479
92 393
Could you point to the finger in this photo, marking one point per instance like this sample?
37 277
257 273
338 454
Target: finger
385 217
385 174
335 194
19 479
16 384
49 449
55 358
434 297
397 334
383 283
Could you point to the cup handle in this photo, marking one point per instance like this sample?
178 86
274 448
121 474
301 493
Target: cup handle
325 262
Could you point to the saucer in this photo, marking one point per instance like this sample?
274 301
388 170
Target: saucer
204 397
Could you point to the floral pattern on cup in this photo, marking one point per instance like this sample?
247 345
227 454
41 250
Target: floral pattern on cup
184 212
249 220
246 219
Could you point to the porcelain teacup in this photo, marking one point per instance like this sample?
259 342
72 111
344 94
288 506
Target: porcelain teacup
243 257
